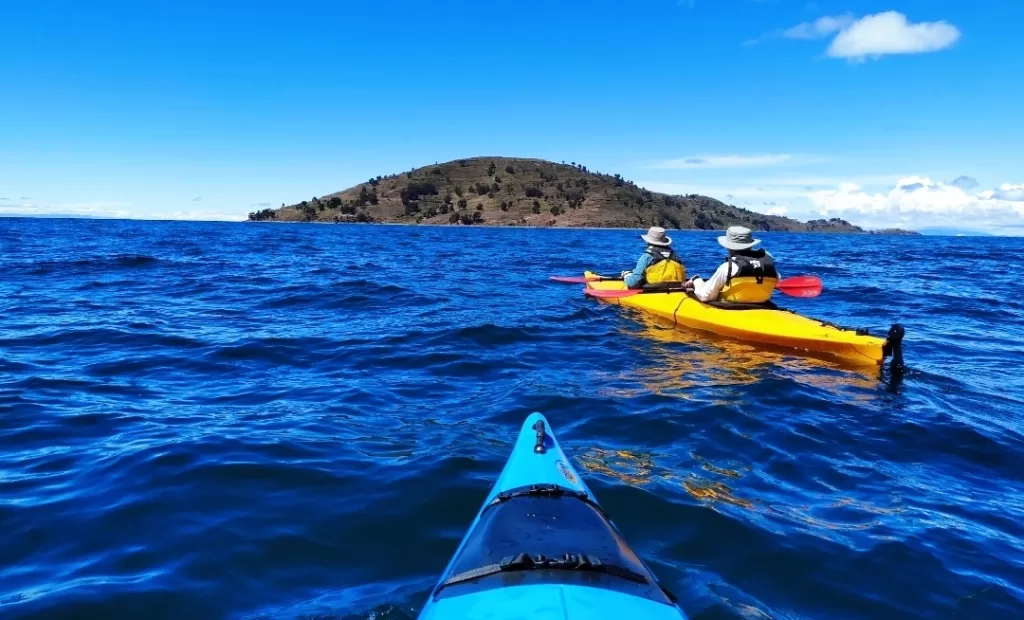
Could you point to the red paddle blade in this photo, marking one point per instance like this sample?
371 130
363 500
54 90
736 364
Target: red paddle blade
611 294
572 280
800 286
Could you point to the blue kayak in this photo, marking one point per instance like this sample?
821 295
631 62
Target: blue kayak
542 548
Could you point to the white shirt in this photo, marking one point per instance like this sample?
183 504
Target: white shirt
707 290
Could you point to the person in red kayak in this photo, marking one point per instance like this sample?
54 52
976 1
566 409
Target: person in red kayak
747 275
658 264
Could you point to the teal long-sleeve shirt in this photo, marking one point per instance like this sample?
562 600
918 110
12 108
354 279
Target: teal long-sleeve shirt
634 279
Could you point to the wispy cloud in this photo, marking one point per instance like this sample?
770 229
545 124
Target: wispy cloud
726 161
25 198
261 204
91 209
197 199
4 199
117 210
871 36
819 28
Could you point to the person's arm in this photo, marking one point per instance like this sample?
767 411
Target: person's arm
633 278
707 290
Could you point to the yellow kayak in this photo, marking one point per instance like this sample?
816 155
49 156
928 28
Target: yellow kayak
767 326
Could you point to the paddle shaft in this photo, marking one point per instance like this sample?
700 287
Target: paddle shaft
797 286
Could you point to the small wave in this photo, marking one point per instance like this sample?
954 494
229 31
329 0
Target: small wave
96 264
100 337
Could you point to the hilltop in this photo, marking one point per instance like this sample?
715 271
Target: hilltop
504 191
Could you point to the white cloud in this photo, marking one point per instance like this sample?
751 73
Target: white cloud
920 201
725 161
891 33
872 36
203 216
1007 191
819 28
872 201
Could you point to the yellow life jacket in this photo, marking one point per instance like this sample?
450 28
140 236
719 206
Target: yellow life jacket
665 266
754 280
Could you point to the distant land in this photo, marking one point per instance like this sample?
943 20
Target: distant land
940 231
60 216
503 191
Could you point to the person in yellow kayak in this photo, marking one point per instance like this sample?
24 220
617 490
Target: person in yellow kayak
658 264
747 275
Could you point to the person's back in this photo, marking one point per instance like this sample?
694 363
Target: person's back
751 278
658 264
747 275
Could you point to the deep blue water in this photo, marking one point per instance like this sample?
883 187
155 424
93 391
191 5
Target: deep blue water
211 420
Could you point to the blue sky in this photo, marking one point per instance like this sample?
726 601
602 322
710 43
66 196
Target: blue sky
860 109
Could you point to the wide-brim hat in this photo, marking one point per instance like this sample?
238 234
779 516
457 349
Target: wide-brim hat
656 236
738 238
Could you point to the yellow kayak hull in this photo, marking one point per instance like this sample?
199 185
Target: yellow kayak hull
772 327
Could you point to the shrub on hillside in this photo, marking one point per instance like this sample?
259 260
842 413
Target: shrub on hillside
575 198
262 215
415 190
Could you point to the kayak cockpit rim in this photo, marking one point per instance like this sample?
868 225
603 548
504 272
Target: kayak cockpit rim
571 542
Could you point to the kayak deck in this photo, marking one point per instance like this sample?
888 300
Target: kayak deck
542 547
767 326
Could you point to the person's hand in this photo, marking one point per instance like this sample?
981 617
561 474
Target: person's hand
688 286
624 274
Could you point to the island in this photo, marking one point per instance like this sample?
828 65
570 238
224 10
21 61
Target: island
504 191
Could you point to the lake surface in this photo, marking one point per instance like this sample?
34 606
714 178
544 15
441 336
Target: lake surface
214 420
